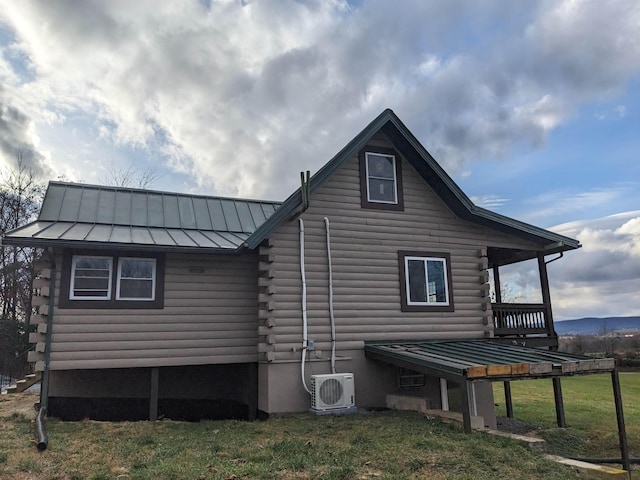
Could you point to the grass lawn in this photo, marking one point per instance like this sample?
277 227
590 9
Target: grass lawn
589 410
384 445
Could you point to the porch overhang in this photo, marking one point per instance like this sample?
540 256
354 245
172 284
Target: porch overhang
499 256
471 360
466 361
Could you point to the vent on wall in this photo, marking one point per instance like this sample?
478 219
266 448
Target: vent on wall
332 393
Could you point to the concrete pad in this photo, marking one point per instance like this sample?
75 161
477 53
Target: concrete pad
591 470
532 443
477 422
406 402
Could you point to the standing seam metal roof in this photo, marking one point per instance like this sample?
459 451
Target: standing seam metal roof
112 215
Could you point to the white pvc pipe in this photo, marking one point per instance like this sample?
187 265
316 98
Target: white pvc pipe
304 307
331 314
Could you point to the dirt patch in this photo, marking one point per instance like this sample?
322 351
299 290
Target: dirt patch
513 425
18 404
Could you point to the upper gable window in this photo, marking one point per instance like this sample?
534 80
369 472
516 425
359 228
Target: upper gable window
380 179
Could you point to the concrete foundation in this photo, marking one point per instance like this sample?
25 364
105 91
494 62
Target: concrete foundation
187 392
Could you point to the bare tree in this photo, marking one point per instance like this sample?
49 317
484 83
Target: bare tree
21 193
130 176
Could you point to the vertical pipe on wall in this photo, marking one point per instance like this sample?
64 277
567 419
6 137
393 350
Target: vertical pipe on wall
304 307
331 313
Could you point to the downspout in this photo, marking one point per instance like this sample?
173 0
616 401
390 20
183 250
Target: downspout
41 431
331 314
304 307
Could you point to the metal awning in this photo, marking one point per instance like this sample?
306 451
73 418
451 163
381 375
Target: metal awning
483 360
466 361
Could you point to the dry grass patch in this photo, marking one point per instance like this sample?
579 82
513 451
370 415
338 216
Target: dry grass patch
388 445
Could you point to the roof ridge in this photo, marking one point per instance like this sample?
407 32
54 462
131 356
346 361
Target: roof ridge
158 192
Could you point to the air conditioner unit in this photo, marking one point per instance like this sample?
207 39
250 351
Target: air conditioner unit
332 393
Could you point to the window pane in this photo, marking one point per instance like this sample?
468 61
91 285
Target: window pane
380 166
437 281
137 268
136 288
382 190
417 287
90 283
91 263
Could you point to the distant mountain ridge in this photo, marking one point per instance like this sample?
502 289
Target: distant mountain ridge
596 326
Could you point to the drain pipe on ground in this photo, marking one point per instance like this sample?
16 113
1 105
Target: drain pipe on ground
41 431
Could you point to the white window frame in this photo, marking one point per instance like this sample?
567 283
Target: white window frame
368 176
153 279
72 288
424 260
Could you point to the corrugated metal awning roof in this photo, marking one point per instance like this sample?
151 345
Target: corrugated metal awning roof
483 360
104 216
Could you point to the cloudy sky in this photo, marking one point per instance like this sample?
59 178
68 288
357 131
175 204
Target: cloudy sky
532 107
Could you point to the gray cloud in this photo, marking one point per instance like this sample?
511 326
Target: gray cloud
246 94
598 280
16 141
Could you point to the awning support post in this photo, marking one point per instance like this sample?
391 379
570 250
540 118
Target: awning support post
557 395
466 409
507 399
622 434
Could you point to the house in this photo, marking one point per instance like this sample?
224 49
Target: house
160 303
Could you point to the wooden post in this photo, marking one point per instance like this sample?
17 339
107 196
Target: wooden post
622 434
466 410
507 399
557 395
546 295
444 394
496 284
153 395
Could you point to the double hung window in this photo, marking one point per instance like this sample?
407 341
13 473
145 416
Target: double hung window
380 179
100 281
425 281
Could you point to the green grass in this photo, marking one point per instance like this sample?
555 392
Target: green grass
385 445
589 410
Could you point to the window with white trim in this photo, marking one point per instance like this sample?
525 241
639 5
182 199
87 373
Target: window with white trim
90 278
117 281
381 178
136 279
425 281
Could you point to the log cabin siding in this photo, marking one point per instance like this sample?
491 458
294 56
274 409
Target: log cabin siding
208 318
366 284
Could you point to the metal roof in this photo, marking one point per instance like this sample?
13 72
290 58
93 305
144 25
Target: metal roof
104 216
483 360
433 174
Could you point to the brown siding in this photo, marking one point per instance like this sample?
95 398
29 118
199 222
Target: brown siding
208 318
365 246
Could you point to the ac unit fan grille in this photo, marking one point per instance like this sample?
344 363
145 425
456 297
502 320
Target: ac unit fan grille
331 391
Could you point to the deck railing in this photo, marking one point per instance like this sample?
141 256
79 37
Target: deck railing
521 319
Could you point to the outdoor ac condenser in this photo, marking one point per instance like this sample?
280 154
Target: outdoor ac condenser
333 393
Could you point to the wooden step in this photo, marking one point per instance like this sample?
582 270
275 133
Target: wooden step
26 382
